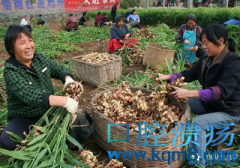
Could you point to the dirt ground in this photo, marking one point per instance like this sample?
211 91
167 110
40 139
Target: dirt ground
89 91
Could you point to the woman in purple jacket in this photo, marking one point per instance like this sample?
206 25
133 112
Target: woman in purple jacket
218 102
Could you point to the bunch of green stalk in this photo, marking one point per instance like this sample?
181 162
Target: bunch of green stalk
45 145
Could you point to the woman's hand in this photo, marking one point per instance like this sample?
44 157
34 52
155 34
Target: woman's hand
127 36
186 41
68 80
181 93
164 77
121 41
193 49
71 106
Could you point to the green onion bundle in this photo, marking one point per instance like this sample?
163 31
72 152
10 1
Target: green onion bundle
45 146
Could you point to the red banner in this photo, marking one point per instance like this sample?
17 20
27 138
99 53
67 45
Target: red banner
89 5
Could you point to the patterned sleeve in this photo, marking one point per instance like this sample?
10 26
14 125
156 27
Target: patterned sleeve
57 71
198 32
179 36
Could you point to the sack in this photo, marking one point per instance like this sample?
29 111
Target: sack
83 130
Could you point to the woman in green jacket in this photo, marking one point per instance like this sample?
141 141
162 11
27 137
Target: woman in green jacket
30 93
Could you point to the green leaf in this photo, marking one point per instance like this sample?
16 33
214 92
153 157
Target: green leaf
76 162
38 138
46 163
64 146
73 141
39 156
12 166
64 165
46 119
26 164
21 155
16 137
48 148
33 147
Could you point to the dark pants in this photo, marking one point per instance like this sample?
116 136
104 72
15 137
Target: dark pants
19 125
136 25
113 18
42 22
199 53
28 27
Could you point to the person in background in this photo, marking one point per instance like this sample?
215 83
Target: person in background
188 35
32 20
98 19
126 15
30 92
134 19
41 20
26 23
120 35
83 19
105 20
159 3
234 21
114 12
218 102
72 23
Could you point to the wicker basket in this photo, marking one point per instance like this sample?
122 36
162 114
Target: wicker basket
100 125
89 23
98 74
156 54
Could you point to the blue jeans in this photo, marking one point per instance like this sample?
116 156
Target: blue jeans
206 119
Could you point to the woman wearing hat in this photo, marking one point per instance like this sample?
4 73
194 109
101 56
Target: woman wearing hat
189 36
120 35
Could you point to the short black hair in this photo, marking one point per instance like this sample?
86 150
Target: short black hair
12 34
99 13
214 32
191 16
236 18
134 10
105 14
118 18
84 13
40 15
70 14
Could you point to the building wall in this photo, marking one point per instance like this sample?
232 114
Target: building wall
12 11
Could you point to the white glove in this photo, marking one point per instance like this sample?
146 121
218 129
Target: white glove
71 106
67 81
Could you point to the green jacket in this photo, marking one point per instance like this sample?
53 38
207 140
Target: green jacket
28 90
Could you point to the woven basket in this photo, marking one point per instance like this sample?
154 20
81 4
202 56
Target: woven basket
89 23
156 54
98 74
100 125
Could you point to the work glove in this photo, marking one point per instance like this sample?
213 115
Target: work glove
67 81
70 80
71 106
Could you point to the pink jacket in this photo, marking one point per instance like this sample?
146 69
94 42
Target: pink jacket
71 22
